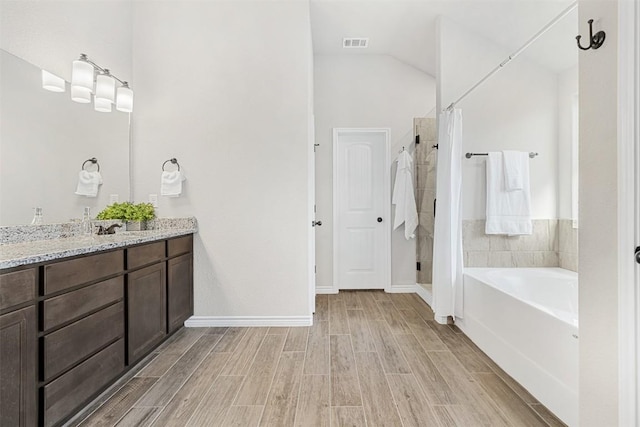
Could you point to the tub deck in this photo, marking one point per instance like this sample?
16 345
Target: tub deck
526 320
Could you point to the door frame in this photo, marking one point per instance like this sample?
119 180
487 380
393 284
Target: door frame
311 206
386 202
628 211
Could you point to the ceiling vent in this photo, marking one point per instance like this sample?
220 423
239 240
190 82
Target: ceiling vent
355 42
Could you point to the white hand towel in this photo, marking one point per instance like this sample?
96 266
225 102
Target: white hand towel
403 196
508 212
88 183
514 164
171 183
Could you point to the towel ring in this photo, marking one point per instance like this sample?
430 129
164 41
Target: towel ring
92 160
173 161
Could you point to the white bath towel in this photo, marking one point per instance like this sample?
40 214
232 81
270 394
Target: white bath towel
403 196
171 183
88 183
514 167
508 212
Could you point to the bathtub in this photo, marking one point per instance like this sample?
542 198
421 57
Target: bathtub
526 320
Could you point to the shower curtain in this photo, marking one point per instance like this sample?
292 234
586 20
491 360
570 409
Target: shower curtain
447 245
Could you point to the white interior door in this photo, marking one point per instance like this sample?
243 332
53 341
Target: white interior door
361 209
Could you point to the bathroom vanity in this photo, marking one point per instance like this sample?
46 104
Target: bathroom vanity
75 319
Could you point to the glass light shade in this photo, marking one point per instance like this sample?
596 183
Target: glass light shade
80 94
52 82
105 88
124 99
82 74
102 105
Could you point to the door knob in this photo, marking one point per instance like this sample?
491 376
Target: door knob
638 254
314 223
379 219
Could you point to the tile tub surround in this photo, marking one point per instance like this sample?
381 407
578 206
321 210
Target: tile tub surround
540 249
31 252
567 245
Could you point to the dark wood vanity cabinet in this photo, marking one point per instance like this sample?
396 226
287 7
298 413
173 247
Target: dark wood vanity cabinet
18 348
147 310
70 328
179 282
18 405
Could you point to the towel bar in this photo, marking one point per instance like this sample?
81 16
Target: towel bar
93 160
470 155
173 161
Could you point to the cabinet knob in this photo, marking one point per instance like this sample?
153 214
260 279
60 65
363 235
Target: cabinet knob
379 219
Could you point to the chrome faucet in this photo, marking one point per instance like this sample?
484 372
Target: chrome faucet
109 230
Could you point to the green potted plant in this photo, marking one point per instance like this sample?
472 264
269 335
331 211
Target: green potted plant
135 215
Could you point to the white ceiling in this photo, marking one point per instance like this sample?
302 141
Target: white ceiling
406 29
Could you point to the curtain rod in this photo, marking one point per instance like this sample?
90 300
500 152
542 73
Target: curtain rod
516 53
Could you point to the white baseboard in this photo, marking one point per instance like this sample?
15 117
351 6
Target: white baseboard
407 288
325 290
425 295
264 321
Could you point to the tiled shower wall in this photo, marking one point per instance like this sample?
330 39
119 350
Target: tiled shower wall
425 161
553 243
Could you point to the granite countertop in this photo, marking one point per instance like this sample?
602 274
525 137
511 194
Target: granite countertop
17 254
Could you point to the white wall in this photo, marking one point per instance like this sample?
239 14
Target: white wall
598 243
567 89
516 109
364 91
224 88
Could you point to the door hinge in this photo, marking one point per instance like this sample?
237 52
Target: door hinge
417 139
418 266
315 269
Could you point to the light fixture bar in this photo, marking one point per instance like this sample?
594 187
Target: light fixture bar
92 78
102 70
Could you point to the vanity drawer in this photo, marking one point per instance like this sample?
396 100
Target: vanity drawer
72 343
67 274
75 388
145 254
17 287
77 303
180 245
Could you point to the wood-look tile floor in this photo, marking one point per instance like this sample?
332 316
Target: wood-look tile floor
370 359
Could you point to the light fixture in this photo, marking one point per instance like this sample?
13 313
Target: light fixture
105 87
124 98
82 73
80 94
102 105
87 75
52 82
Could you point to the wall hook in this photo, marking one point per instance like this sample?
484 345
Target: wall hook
595 40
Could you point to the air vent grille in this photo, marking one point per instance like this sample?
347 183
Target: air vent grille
355 43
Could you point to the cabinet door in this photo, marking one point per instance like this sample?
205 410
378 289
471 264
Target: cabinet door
180 291
147 309
18 368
